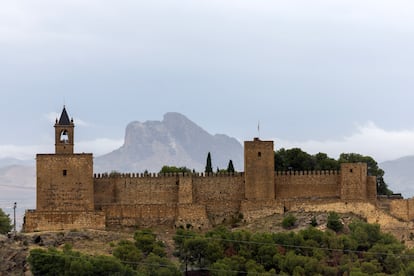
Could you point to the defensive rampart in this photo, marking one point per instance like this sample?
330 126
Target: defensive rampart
221 195
307 184
131 200
131 189
402 208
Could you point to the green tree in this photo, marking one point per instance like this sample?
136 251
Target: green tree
181 251
228 266
209 167
173 169
146 241
156 265
127 252
293 159
289 221
197 251
323 162
230 167
5 223
44 262
53 262
334 223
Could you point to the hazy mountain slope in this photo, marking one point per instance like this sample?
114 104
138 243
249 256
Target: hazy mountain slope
399 175
5 162
17 184
175 141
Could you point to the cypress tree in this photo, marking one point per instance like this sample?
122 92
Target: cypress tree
209 167
230 167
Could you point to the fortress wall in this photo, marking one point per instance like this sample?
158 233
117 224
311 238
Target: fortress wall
104 192
315 184
402 208
372 188
194 215
136 190
56 221
139 215
221 194
222 211
218 188
185 190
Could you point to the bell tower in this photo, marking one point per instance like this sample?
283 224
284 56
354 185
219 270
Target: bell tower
64 129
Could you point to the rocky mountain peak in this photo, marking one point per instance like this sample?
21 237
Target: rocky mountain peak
174 141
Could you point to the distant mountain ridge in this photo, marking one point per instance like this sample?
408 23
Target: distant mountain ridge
174 141
399 175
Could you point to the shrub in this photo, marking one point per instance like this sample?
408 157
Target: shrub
314 222
334 223
289 221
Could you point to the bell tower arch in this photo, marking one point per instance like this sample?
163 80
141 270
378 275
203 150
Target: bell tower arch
64 134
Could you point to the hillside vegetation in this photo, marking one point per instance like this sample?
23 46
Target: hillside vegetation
354 248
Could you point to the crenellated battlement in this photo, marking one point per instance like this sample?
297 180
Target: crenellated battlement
164 175
323 172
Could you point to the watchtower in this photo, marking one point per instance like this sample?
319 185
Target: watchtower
259 169
354 178
64 179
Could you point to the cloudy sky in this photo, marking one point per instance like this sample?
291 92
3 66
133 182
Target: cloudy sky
326 76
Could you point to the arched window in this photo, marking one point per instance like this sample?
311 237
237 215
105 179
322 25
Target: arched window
64 137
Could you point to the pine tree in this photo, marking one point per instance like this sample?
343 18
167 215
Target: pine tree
209 167
5 223
230 167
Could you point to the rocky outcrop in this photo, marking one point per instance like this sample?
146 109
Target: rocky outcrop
175 141
13 254
14 250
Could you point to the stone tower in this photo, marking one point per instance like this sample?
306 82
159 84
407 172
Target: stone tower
64 135
354 179
64 179
259 169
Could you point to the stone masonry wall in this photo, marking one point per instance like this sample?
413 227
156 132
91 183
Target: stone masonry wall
259 166
139 215
56 221
403 209
185 190
354 180
372 189
221 194
312 184
132 200
129 200
194 215
64 182
127 190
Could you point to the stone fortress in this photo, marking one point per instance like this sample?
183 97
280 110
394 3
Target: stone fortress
70 196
